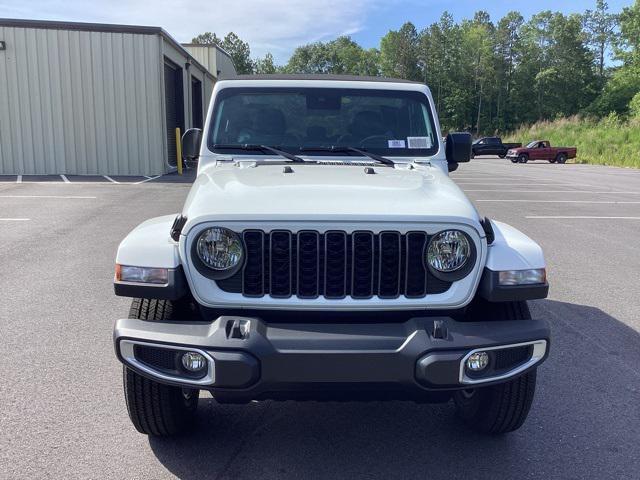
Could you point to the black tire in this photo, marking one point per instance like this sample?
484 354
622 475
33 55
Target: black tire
502 155
523 158
552 160
504 407
473 155
513 159
561 158
154 408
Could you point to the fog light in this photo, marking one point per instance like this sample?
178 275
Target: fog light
193 361
478 361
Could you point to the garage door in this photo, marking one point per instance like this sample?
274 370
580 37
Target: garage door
174 102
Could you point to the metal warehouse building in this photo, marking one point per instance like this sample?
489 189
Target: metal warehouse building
94 99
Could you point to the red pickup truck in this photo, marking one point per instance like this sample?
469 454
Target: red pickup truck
541 150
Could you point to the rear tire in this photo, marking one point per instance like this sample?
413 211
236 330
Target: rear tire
504 407
552 160
513 159
561 158
154 408
523 158
502 155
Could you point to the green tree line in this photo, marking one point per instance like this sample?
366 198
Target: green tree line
490 76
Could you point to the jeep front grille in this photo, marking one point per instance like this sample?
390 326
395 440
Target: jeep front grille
335 264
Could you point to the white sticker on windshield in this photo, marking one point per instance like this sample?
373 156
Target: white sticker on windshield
419 142
396 144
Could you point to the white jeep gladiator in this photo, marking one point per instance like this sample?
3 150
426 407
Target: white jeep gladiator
324 253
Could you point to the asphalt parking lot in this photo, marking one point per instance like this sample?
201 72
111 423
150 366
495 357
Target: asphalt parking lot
62 412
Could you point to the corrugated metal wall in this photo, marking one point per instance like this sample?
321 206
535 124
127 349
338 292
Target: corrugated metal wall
205 55
76 102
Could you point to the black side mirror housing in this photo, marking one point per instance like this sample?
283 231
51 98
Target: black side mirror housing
458 149
191 143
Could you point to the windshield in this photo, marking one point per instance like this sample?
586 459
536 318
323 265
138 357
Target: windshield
532 144
386 122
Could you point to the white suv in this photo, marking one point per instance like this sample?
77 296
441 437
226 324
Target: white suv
323 252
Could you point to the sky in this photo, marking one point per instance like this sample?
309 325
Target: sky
278 26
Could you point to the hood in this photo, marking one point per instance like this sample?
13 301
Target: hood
261 192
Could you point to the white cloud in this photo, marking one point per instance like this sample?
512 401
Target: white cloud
277 26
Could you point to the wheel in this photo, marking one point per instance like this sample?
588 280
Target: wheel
502 155
504 407
552 160
523 158
154 408
473 155
513 159
561 158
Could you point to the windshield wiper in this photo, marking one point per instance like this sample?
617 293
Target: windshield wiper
336 148
262 148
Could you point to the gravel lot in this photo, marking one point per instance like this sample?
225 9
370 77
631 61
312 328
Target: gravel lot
62 412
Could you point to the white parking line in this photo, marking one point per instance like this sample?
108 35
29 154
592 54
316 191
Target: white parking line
19 179
110 179
64 179
569 217
148 179
555 191
509 184
558 201
74 197
14 219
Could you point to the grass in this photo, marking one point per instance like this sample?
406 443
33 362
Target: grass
609 141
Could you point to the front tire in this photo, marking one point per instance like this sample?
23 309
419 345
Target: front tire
154 408
523 158
499 408
504 407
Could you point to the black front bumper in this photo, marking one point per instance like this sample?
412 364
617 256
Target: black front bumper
252 359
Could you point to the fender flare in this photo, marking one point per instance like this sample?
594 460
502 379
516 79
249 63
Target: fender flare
511 250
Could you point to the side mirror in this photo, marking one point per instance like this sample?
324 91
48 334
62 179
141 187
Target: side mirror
458 149
191 143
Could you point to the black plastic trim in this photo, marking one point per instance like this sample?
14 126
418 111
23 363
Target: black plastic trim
176 228
491 290
488 230
175 289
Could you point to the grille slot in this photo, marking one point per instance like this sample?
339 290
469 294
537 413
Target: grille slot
335 264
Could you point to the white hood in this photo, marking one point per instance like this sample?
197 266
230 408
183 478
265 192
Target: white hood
259 192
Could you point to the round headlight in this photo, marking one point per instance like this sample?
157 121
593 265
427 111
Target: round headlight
448 251
219 248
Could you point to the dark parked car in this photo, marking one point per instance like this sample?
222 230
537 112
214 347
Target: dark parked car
541 150
491 146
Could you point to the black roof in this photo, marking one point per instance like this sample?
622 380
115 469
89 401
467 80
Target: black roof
316 76
82 26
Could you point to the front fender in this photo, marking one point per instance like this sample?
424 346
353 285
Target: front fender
512 250
150 245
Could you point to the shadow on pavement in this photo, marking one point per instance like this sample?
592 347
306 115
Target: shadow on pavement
585 423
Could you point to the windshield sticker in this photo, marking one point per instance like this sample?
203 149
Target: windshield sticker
419 142
396 144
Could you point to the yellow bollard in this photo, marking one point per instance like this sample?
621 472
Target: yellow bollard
179 151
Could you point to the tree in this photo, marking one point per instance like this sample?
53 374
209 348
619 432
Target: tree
238 49
399 53
265 65
340 56
600 28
